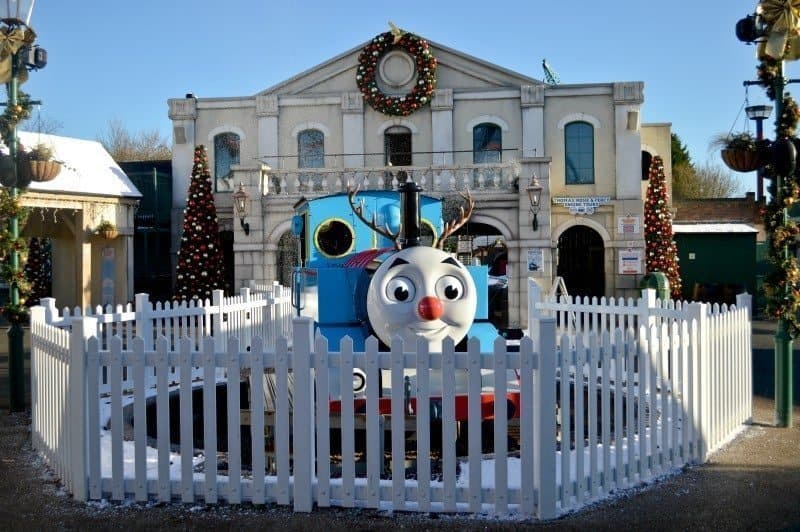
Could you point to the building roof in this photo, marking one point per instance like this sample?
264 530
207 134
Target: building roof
314 79
87 169
713 228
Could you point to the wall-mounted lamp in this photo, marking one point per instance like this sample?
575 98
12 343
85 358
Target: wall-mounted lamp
535 196
241 203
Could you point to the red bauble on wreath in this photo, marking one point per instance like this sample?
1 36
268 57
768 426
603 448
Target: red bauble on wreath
425 63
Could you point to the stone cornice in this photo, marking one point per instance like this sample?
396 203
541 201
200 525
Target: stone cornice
352 102
182 108
442 100
266 105
629 92
531 95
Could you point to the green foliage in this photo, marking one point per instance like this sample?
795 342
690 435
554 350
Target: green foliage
740 141
10 208
40 152
105 225
680 153
782 285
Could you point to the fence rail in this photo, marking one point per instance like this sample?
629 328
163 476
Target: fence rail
599 409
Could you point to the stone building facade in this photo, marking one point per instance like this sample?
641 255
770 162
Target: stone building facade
484 127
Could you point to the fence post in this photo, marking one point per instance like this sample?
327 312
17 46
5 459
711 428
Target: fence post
217 328
82 329
51 312
251 284
144 324
38 317
745 300
702 380
303 415
646 304
544 408
534 296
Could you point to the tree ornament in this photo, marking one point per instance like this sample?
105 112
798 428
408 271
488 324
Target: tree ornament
200 239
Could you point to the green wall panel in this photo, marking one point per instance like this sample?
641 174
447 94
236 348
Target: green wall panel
715 266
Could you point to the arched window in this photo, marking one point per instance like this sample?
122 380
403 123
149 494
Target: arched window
487 143
646 160
579 153
397 146
311 149
226 154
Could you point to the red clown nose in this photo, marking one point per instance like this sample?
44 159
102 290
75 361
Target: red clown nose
430 308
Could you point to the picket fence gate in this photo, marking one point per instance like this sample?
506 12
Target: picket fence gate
600 410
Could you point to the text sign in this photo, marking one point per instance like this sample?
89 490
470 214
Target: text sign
582 204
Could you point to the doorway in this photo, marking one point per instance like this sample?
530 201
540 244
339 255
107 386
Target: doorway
580 261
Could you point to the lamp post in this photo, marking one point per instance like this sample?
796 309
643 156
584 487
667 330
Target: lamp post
783 340
769 30
22 55
241 204
759 113
534 196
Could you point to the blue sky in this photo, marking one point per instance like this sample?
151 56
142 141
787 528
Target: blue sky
111 59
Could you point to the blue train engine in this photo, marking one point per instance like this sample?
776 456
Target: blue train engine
371 266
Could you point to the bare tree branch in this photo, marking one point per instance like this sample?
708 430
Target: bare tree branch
126 146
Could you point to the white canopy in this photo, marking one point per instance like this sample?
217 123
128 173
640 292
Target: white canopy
88 168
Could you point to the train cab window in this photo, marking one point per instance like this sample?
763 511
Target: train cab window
334 238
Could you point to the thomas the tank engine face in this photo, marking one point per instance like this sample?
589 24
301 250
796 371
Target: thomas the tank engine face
421 292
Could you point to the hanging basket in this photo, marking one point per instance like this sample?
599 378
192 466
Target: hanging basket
740 159
39 170
108 234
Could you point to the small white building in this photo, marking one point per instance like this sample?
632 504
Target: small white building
484 127
88 269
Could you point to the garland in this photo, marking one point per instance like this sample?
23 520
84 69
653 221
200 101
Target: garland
419 96
10 207
782 284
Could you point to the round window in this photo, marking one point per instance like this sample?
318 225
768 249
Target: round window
334 238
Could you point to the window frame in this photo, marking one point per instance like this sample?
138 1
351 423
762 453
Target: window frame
232 158
485 152
574 177
303 159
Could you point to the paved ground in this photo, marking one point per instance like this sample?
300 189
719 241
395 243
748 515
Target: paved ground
752 484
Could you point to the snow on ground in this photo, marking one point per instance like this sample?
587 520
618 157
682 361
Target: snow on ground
488 464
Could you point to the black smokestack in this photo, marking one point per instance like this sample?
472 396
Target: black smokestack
409 207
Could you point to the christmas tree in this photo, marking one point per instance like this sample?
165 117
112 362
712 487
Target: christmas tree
38 270
200 265
662 253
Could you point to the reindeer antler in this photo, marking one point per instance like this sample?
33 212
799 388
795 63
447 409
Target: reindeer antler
454 225
358 210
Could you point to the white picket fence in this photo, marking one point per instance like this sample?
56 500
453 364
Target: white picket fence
264 312
599 410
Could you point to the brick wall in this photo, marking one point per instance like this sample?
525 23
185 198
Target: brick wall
744 210
720 210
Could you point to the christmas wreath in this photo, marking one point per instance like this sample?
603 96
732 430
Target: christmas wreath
368 61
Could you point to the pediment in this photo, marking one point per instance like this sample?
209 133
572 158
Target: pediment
456 70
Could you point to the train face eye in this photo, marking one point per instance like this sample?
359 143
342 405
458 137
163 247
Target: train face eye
400 289
449 288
